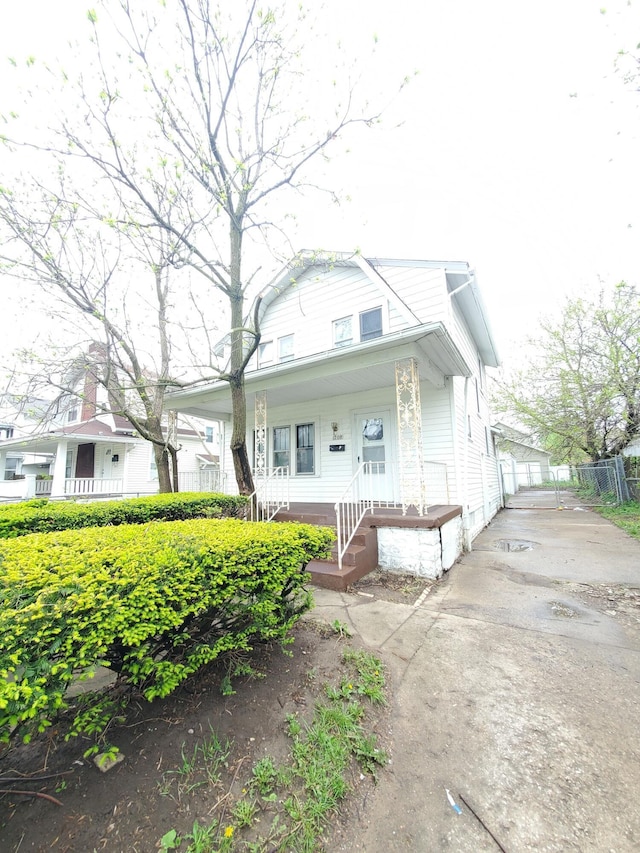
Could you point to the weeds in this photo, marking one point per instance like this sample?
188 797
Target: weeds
201 765
294 800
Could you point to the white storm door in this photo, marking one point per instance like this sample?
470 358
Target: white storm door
374 444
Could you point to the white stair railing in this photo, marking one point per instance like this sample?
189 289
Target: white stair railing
361 496
271 493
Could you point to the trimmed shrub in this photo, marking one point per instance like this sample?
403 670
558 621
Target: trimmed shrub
42 516
153 603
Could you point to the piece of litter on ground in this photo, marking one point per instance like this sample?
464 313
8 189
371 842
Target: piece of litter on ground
453 803
105 762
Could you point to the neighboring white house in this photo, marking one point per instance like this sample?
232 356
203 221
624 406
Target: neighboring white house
370 377
81 451
521 462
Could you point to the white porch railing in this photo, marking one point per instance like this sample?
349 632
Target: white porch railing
436 482
361 495
92 486
43 487
271 493
206 480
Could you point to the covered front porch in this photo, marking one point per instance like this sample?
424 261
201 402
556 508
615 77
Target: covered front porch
79 466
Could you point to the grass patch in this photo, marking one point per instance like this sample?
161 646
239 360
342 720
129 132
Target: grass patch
626 516
286 806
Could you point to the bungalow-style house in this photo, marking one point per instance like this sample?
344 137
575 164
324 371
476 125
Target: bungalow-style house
87 453
367 408
521 462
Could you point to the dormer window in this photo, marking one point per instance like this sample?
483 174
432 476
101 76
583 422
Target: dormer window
342 332
265 353
285 348
371 324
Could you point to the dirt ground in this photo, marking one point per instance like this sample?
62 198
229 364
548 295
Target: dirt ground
130 807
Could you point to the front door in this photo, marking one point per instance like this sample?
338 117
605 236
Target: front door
374 443
85 461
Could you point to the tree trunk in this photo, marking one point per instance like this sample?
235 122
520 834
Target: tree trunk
162 464
241 462
174 467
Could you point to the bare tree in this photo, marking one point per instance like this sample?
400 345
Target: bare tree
89 276
198 117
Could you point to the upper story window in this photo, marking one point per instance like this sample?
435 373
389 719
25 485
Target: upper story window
72 415
208 434
371 324
6 432
369 327
343 332
265 353
285 348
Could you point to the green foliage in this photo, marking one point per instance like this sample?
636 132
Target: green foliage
626 516
580 394
43 516
153 603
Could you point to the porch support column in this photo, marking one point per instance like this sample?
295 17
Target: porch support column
3 463
261 433
59 470
412 480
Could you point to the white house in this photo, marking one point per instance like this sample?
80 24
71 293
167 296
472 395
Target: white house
80 449
368 390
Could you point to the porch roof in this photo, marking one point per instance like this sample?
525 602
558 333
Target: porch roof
335 372
47 442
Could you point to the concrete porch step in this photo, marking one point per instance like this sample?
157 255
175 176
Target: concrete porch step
360 558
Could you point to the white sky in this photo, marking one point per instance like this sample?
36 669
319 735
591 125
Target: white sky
518 148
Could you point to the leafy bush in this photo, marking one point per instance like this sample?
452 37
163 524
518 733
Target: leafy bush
42 516
154 604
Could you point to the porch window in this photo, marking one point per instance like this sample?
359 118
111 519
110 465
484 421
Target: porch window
281 447
371 324
69 464
265 353
305 446
153 468
285 348
342 332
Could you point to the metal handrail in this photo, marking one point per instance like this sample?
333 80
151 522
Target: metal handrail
356 500
270 495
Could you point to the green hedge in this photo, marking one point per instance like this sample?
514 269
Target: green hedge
154 604
43 516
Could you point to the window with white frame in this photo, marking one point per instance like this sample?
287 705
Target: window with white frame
265 353
153 468
371 324
343 332
304 448
208 434
72 415
281 447
285 348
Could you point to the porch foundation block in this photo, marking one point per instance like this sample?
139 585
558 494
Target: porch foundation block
426 553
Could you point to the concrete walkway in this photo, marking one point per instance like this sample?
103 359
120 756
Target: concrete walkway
519 697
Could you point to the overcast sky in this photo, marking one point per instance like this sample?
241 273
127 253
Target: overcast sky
517 150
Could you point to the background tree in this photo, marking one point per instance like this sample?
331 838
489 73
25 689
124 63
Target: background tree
580 393
192 119
108 293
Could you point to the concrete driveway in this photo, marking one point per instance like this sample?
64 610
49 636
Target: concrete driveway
516 685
